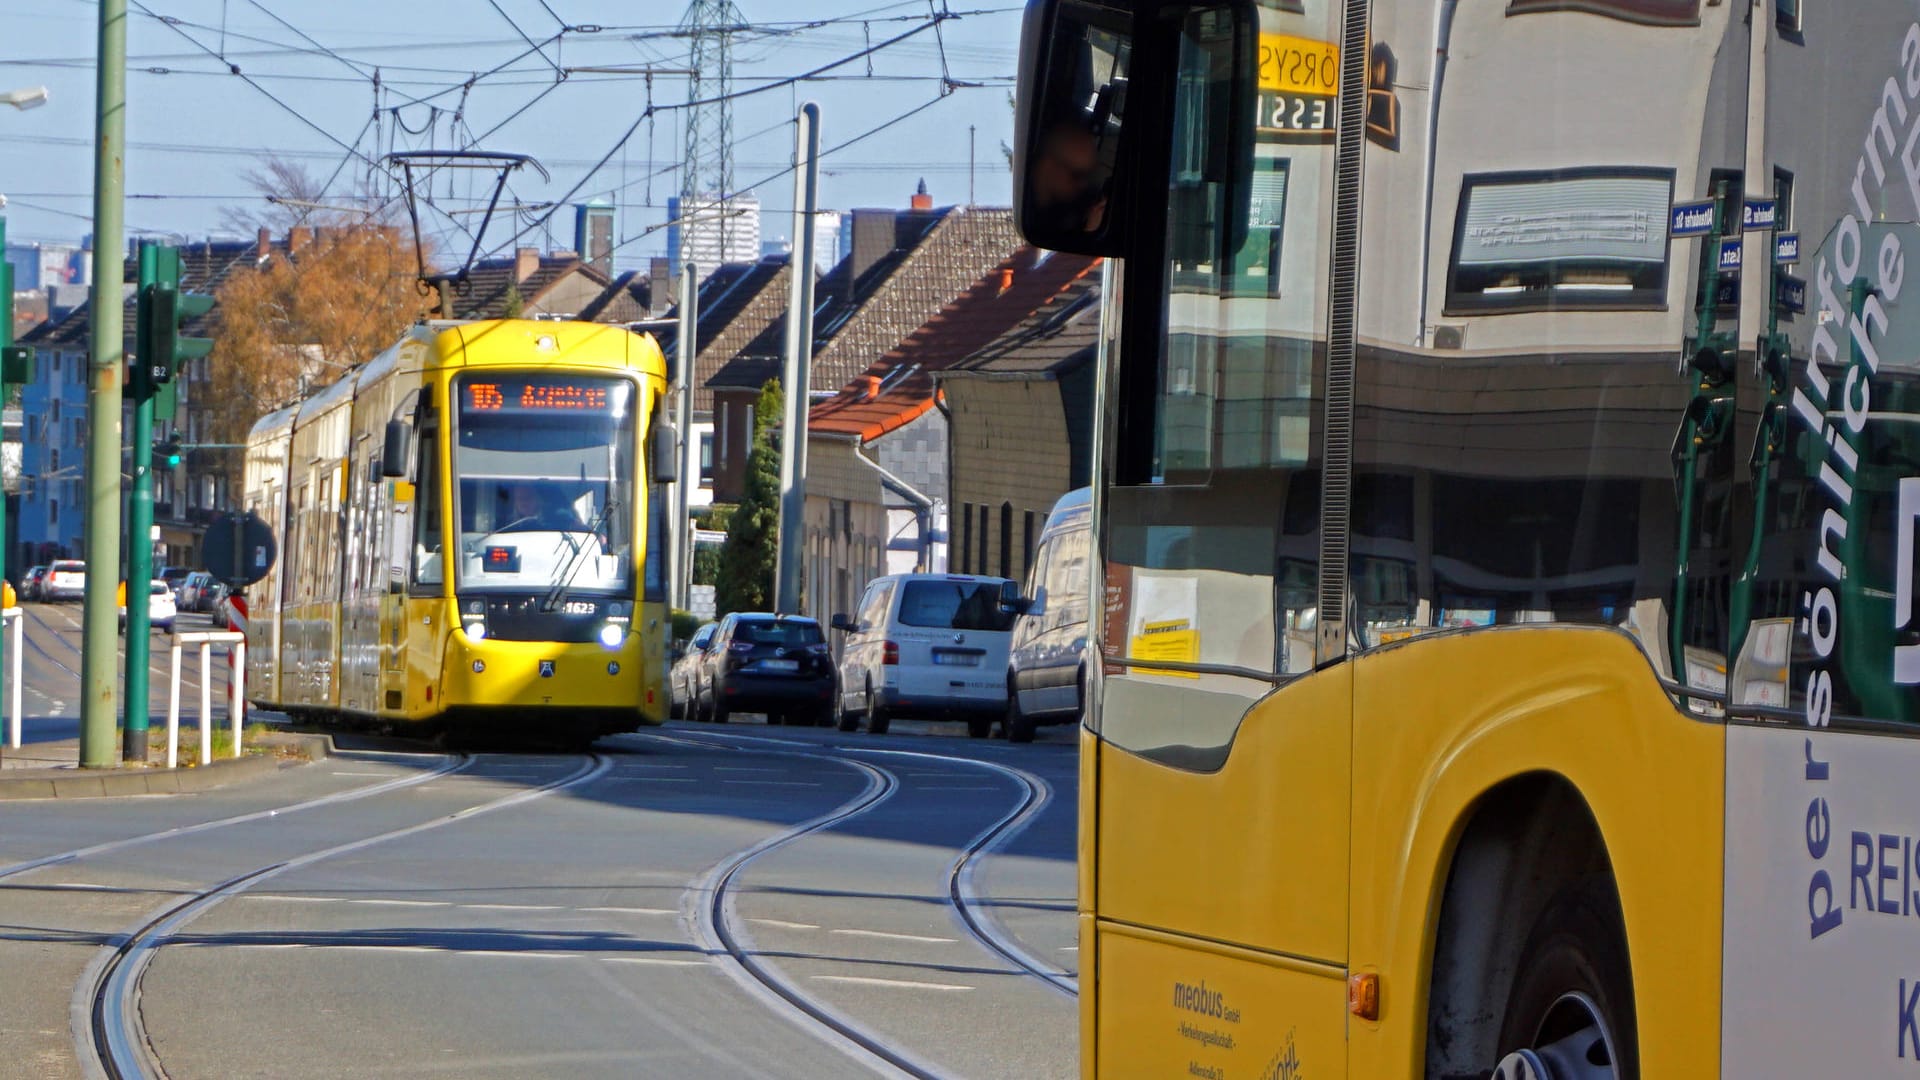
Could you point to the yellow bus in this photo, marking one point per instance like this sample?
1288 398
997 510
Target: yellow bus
470 530
1507 480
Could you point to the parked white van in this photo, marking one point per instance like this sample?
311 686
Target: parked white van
1047 663
925 645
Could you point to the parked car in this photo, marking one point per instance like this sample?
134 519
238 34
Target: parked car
682 679
66 580
925 645
776 664
160 609
200 592
174 576
1047 666
30 583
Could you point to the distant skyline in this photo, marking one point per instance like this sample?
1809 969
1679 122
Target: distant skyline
194 128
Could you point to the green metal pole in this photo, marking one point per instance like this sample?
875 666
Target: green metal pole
99 621
6 339
140 522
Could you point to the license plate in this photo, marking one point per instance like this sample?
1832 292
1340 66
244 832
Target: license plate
957 659
780 665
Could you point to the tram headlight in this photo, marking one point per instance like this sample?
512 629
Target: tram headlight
474 616
612 635
477 631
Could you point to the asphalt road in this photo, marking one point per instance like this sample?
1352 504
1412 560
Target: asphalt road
737 901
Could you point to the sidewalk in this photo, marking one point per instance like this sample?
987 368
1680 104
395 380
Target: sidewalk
51 770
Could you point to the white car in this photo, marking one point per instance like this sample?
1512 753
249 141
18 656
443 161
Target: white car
926 645
160 608
66 580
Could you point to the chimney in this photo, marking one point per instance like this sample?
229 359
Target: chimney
873 238
869 387
663 286
1006 280
298 237
525 261
922 200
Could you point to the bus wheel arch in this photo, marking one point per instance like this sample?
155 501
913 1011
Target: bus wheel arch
1529 878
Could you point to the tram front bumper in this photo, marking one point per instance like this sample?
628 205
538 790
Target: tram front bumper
492 673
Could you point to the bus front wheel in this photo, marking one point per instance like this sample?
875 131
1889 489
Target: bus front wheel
1570 1015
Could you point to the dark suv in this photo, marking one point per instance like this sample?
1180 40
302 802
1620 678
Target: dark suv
776 664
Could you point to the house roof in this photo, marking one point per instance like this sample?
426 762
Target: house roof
204 267
628 299
490 281
738 303
1062 333
936 255
899 387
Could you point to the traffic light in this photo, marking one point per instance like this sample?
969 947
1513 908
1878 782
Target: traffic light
160 312
166 455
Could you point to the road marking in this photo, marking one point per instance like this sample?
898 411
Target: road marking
657 961
359 774
295 899
897 937
954 787
777 783
742 768
633 910
404 903
651 780
509 907
784 925
1069 948
903 984
675 767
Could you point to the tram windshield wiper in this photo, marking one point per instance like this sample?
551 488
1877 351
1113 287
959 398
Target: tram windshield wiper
577 560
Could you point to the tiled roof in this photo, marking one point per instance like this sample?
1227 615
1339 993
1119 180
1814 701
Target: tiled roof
484 294
204 267
936 256
738 302
624 301
899 387
1062 333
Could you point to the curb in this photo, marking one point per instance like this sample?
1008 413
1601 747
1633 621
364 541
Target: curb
108 783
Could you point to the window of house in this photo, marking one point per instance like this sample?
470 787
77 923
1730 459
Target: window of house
706 459
1570 238
1652 12
53 410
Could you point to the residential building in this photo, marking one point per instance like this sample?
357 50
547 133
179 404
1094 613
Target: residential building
711 230
1020 417
878 451
903 267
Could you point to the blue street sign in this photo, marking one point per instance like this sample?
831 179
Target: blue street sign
1790 293
1729 255
1690 219
1758 214
1786 248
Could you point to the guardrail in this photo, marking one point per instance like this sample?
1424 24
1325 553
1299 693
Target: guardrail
15 648
206 640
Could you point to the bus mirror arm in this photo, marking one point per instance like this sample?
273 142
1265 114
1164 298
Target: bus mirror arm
666 458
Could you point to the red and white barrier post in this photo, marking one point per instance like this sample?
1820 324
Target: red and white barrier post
235 606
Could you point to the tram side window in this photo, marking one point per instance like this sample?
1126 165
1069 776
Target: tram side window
428 568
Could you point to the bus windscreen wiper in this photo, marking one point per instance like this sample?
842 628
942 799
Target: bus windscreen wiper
559 590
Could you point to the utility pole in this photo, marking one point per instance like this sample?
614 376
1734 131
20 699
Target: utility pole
133 745
686 345
99 622
793 433
706 188
16 368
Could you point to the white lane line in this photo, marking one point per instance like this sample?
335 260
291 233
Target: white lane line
657 961
676 768
1069 948
404 903
744 768
651 780
956 787
359 774
506 776
901 984
897 937
379 948
632 910
509 907
784 925
776 783
295 899
518 955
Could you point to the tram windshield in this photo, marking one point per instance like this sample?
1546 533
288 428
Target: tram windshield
545 463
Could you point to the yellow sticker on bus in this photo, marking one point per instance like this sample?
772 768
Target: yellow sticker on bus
1171 639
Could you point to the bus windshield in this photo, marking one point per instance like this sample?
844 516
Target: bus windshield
545 464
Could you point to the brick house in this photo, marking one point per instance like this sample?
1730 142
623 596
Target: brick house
878 483
903 267
1021 422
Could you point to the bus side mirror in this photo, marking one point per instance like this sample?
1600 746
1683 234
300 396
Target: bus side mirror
398 450
842 623
1075 57
665 453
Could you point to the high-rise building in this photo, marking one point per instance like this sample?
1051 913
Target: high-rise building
712 231
593 234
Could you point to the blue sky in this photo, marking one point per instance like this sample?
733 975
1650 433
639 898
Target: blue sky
194 127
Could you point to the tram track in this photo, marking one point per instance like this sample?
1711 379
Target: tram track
105 1013
716 918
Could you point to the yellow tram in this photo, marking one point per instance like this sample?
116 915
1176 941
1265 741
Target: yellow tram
471 534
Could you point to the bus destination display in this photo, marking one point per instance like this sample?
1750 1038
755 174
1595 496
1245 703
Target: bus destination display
519 396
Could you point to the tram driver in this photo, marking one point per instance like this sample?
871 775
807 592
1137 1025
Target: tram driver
535 506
